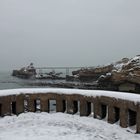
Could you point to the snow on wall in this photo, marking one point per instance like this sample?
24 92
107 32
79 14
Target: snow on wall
91 93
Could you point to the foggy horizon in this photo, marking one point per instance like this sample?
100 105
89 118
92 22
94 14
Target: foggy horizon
67 32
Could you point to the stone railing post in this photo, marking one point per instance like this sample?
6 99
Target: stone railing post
85 108
111 114
138 119
123 116
6 106
31 105
44 104
19 104
97 108
60 105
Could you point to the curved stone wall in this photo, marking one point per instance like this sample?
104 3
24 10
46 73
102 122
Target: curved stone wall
127 113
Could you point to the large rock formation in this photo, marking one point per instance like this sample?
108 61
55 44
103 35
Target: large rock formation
126 70
92 74
123 75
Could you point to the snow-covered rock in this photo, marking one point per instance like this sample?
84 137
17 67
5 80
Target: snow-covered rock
115 74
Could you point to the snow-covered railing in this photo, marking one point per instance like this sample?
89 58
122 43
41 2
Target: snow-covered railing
112 106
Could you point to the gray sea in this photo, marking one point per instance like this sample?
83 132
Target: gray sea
7 81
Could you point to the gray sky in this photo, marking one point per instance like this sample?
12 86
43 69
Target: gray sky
68 32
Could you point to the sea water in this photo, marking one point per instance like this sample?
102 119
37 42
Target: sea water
7 81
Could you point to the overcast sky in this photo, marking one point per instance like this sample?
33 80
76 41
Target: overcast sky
68 32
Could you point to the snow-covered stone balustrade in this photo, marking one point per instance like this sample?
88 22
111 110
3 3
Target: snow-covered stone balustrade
113 106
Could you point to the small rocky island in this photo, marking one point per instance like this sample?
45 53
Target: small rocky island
25 72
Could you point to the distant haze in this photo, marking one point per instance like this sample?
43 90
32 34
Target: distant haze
68 32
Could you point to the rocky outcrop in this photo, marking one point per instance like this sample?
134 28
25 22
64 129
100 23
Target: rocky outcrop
124 71
116 75
92 74
25 72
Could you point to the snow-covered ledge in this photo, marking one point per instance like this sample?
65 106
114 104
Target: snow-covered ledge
89 93
114 106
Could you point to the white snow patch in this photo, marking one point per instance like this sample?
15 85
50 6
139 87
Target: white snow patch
108 74
59 126
102 76
92 93
119 66
136 60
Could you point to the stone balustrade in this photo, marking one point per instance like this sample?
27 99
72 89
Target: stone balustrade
126 112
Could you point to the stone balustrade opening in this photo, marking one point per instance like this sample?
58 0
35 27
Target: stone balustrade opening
52 106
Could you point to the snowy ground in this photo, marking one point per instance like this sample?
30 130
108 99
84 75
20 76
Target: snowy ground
59 126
